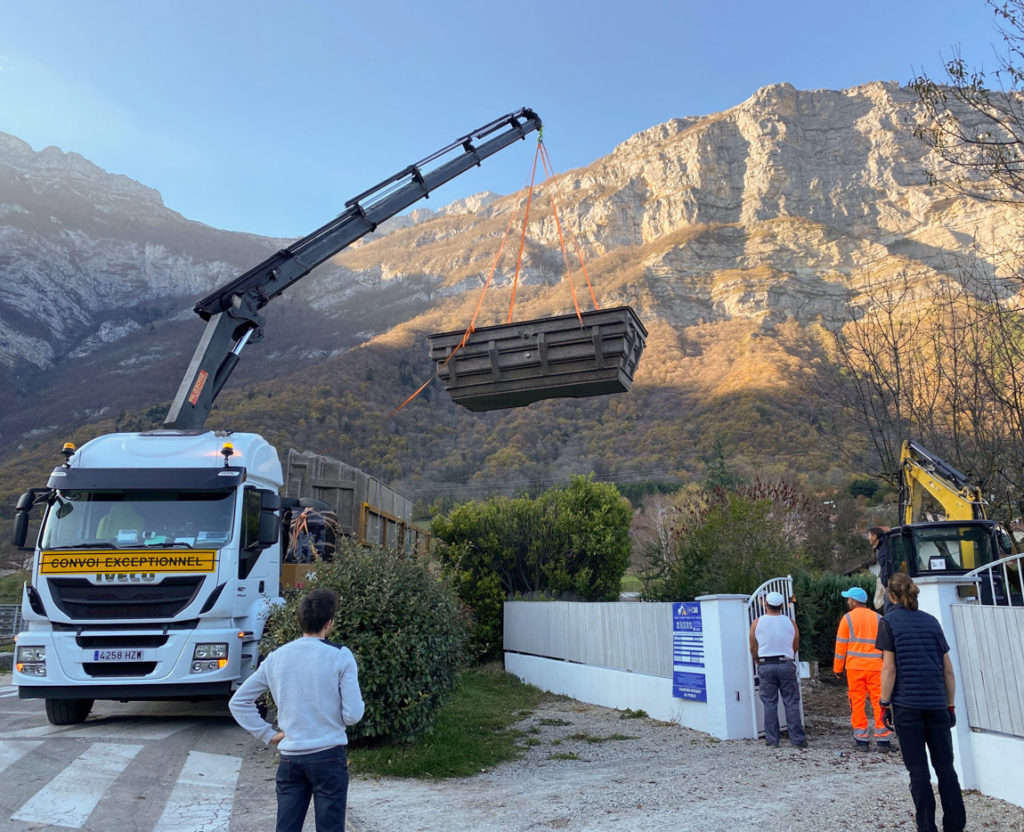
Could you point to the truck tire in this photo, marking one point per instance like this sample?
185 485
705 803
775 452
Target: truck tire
67 711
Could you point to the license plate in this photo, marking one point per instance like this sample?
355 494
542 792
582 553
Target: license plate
116 655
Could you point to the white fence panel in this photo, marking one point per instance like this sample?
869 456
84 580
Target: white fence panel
629 637
989 640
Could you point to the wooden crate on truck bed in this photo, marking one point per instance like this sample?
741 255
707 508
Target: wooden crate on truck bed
512 365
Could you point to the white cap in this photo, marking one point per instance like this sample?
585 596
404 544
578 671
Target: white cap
774 599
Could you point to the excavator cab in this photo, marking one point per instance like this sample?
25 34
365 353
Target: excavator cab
944 547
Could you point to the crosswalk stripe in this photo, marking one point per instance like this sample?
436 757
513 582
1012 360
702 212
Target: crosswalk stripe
70 797
203 794
11 752
134 729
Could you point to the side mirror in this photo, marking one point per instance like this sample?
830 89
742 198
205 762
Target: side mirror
19 531
269 531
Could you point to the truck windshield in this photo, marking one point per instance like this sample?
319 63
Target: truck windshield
186 519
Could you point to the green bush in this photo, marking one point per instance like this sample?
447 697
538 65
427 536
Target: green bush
729 542
863 486
405 628
568 542
819 606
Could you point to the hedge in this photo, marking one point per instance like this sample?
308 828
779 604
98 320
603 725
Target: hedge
404 626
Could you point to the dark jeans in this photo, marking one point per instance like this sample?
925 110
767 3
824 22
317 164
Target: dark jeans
324 776
780 677
928 728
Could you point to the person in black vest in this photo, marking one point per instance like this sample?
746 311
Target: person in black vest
918 687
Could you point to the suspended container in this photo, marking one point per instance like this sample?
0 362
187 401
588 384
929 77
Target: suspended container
515 364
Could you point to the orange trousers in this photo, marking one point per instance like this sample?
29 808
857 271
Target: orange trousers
863 686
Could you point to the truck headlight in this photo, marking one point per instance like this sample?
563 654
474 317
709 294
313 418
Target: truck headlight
30 653
31 660
207 657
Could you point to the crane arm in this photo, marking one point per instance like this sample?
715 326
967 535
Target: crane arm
922 472
232 311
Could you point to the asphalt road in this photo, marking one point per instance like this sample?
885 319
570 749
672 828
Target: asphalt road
135 767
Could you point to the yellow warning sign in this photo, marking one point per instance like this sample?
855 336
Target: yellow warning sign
121 561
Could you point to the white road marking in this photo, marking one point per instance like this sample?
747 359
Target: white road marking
11 752
203 795
70 797
134 729
8 690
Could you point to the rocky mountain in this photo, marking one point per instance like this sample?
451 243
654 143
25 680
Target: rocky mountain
721 230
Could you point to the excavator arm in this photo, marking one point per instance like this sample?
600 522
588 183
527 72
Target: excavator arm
232 311
922 473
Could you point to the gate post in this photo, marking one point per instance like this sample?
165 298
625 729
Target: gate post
731 713
937 596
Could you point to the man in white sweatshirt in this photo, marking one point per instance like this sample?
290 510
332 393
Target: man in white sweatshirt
315 685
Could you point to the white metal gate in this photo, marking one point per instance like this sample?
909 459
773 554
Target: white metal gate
756 607
989 634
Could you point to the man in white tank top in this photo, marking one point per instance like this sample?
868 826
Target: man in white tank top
774 640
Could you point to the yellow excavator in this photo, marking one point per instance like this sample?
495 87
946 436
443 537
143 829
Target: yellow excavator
923 473
953 535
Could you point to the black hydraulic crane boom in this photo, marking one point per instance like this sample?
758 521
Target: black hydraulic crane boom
231 312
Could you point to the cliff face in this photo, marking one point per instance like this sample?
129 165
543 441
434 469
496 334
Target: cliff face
784 208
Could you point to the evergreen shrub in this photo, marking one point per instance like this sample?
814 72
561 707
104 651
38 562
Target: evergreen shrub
405 627
570 542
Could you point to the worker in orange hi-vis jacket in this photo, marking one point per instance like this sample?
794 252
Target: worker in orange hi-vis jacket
856 651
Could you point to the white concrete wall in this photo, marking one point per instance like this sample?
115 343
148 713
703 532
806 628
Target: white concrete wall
540 636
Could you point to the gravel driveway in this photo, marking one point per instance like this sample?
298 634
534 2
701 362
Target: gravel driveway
589 768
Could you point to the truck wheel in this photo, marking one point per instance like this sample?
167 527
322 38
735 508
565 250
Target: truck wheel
67 711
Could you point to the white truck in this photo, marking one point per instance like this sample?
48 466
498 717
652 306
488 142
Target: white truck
157 564
159 554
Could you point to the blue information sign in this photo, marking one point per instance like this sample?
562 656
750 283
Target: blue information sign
689 686
688 682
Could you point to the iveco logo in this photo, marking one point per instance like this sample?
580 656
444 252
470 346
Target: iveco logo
128 577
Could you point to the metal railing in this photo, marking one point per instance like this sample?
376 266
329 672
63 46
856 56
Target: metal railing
1001 583
10 620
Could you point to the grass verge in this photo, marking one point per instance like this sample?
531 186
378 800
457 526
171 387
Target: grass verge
10 587
631 583
472 732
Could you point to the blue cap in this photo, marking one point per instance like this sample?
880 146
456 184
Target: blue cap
856 593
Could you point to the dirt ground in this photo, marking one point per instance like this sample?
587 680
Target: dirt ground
587 768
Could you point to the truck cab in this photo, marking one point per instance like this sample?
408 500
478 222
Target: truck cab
156 566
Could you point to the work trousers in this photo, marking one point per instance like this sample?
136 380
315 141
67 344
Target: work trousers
928 728
776 678
866 686
323 776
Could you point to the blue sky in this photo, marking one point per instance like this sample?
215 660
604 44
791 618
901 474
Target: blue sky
266 116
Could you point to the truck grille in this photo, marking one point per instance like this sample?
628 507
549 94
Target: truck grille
83 601
119 668
113 642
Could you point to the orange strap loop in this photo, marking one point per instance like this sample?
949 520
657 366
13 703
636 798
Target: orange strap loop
561 239
472 322
541 153
522 236
550 174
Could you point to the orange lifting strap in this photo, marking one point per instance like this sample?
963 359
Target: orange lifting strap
541 153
